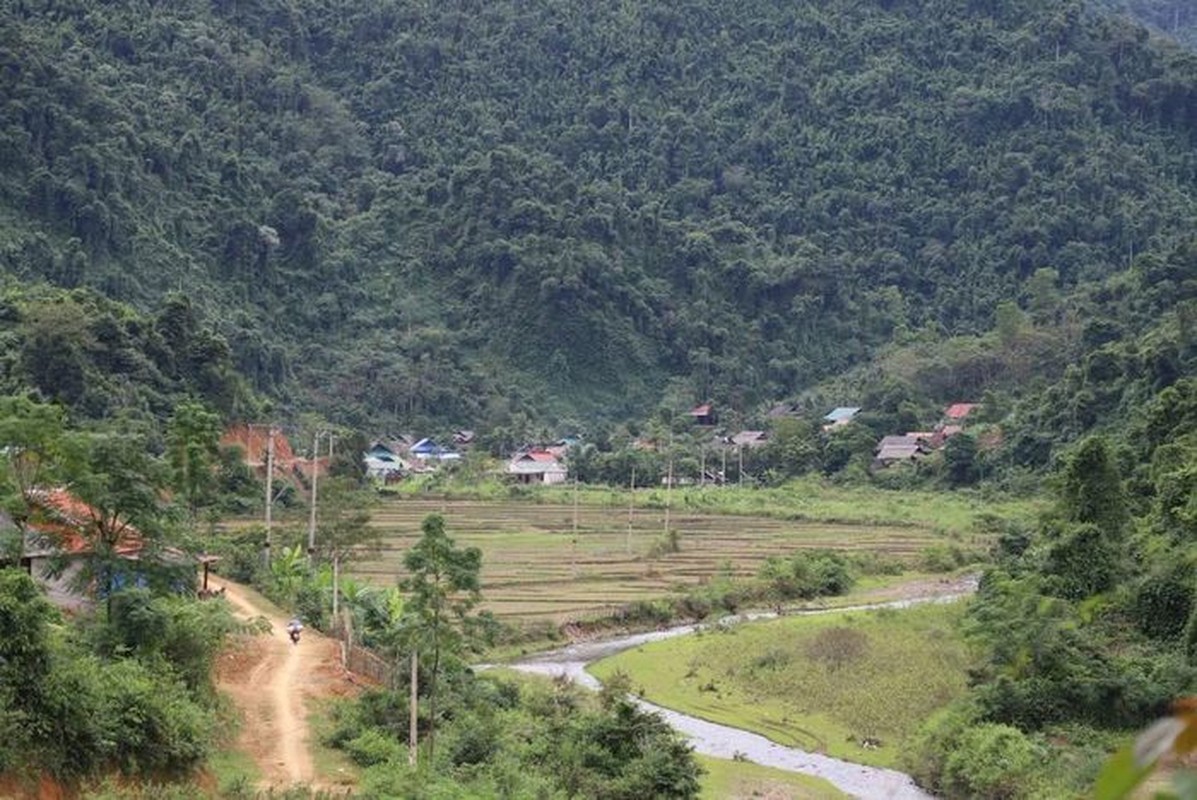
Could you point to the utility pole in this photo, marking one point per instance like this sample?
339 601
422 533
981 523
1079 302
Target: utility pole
315 472
269 486
740 469
312 510
669 480
573 552
336 585
631 509
413 716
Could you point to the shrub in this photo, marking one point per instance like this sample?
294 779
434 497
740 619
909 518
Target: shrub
774 658
991 762
837 647
693 606
474 741
151 724
1081 561
808 574
1162 603
940 558
938 738
645 612
373 746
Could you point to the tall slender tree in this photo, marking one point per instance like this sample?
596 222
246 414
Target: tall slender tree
443 587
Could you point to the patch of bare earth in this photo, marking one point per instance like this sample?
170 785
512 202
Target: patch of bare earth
273 684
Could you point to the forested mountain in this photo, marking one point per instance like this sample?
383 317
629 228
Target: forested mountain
483 212
1175 18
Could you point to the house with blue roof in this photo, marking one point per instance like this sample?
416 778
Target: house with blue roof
840 416
427 449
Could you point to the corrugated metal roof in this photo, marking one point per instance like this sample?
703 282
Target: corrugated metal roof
899 452
749 438
842 413
959 410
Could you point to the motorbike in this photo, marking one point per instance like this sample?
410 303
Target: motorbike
293 631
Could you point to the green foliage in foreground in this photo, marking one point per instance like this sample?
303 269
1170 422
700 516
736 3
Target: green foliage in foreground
131 694
856 685
521 739
1084 631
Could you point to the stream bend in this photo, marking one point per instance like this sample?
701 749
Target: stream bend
723 741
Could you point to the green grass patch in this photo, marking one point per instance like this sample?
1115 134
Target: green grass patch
333 765
807 498
233 772
853 685
742 780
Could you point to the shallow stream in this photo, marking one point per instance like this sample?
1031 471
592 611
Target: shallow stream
722 741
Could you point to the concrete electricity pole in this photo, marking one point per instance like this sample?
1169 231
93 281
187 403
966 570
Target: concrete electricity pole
315 472
312 509
269 487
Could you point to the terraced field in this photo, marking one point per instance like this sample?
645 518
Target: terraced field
534 566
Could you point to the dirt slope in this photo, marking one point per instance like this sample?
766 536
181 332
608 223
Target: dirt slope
272 681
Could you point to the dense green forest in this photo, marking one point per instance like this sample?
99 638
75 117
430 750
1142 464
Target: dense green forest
507 215
1173 18
465 213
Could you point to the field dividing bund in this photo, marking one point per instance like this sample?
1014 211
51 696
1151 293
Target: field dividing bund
534 567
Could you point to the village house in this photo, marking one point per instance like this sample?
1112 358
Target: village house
384 465
703 415
749 439
838 417
392 448
55 551
536 467
958 411
428 450
906 448
782 410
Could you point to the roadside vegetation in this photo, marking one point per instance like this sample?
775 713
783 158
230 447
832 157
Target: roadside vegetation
131 692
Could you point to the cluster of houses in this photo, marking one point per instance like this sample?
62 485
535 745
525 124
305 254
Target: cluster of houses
391 459
911 446
905 448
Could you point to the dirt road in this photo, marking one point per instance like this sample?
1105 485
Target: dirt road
271 681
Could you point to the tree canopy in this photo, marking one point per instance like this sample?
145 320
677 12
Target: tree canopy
476 213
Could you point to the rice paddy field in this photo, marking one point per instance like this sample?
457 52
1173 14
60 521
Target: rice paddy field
562 561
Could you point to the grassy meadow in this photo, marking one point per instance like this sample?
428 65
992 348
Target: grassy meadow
853 685
558 555
742 780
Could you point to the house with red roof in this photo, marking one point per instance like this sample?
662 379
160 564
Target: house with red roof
958 411
536 467
57 546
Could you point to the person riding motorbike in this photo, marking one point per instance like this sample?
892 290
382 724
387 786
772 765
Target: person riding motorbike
293 629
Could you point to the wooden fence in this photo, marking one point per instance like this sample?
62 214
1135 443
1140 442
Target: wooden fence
357 659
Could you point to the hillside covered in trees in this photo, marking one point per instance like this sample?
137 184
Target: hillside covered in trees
473 212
